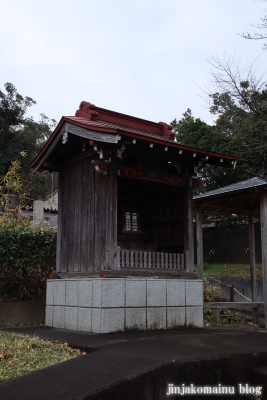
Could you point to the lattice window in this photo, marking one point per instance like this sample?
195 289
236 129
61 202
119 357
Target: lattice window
131 222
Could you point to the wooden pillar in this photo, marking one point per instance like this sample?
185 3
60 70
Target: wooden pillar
199 237
263 214
189 228
252 263
252 258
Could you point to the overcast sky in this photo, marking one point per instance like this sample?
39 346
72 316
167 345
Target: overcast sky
146 58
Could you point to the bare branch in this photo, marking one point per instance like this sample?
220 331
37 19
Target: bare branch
235 85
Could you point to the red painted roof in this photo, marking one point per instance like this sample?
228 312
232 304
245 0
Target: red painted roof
98 119
90 112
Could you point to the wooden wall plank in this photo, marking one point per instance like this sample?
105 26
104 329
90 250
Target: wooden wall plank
71 217
189 228
91 216
97 220
60 266
84 264
112 230
78 221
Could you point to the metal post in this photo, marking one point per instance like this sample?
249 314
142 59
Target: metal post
232 293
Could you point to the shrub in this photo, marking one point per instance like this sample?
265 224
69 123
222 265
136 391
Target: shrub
27 256
210 291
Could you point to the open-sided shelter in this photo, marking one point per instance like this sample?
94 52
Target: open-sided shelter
248 198
125 194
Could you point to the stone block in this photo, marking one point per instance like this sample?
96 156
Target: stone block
59 292
71 293
113 320
71 318
135 319
58 317
175 317
50 293
156 318
96 320
135 293
156 292
85 293
38 209
194 317
194 293
175 293
85 319
113 293
49 315
97 290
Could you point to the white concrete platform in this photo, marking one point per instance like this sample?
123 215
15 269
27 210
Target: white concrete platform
104 305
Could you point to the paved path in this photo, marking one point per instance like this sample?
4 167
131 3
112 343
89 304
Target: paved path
116 357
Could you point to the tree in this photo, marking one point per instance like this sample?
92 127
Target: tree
21 134
258 35
196 133
13 108
239 102
235 86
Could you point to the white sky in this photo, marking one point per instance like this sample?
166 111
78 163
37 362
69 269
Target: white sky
145 58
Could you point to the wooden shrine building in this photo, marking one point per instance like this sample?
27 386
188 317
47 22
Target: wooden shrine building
125 192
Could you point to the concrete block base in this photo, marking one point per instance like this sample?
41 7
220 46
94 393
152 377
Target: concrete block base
104 305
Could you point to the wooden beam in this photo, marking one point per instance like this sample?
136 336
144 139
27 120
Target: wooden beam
233 305
50 166
263 216
79 157
199 233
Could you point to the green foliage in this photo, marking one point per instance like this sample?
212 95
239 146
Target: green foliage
19 134
12 196
13 108
27 257
211 291
196 133
239 101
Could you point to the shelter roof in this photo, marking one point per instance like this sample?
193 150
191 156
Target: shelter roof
114 126
242 197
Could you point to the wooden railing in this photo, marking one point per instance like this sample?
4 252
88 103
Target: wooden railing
217 306
149 259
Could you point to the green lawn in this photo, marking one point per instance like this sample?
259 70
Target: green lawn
21 354
237 270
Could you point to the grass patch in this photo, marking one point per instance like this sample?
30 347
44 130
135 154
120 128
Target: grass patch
236 270
40 322
21 354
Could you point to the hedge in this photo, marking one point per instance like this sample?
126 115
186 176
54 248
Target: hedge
27 256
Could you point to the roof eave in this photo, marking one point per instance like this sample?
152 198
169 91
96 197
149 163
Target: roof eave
41 157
